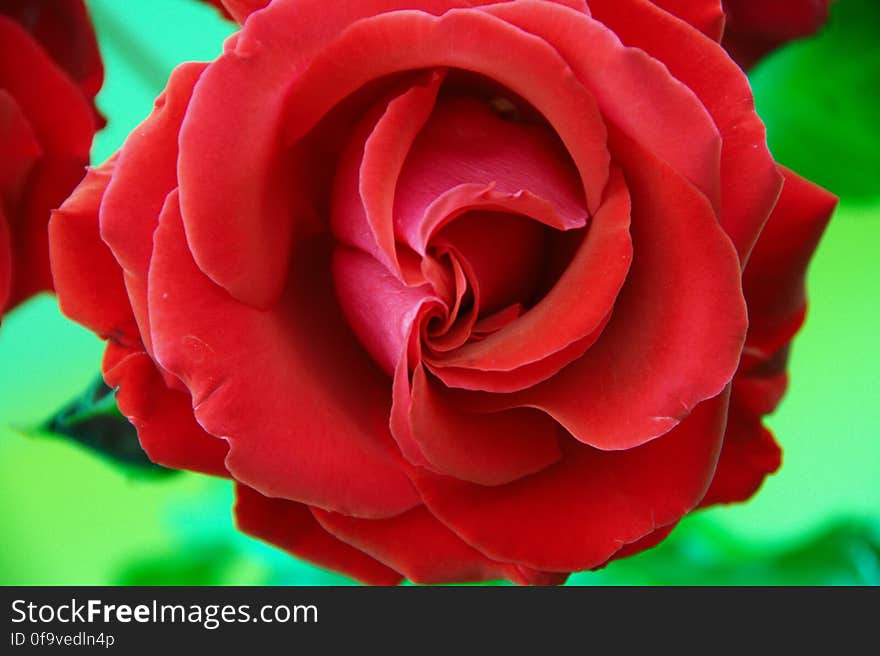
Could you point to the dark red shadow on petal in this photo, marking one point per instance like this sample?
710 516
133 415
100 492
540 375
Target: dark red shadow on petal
64 29
424 550
757 28
748 456
64 126
706 15
163 417
290 526
578 513
489 449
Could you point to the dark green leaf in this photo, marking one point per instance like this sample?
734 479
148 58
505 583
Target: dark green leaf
94 421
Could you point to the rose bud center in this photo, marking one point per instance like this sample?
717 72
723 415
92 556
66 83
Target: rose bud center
487 211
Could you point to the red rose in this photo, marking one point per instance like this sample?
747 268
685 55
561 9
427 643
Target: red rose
757 27
237 9
50 71
452 290
218 4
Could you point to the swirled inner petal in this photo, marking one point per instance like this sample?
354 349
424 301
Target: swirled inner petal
367 176
678 326
465 142
575 308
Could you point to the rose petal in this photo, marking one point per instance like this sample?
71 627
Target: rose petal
469 40
5 262
576 308
386 315
678 326
64 126
578 513
497 321
401 399
706 15
242 238
489 449
366 178
773 281
19 146
322 436
758 391
163 417
502 276
64 29
51 180
467 197
642 544
420 547
456 328
61 131
465 143
87 278
292 527
519 378
241 9
756 28
633 91
749 454
380 309
749 177
130 210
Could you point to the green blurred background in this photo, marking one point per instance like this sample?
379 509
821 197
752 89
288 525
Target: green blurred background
67 516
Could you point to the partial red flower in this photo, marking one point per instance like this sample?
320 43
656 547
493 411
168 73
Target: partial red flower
237 9
453 291
50 71
774 288
757 27
218 4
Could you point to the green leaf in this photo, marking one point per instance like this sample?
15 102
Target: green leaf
699 553
93 420
194 564
820 99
